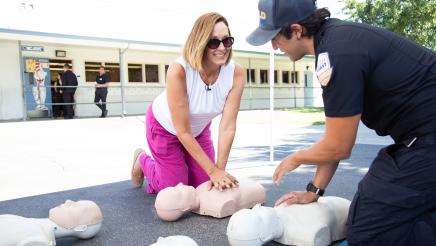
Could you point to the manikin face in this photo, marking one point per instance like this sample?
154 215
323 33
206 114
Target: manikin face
187 195
181 197
292 48
71 214
219 55
172 202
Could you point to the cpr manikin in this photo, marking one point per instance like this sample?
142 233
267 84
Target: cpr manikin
177 240
81 219
314 224
172 202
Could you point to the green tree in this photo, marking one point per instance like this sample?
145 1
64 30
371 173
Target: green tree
415 19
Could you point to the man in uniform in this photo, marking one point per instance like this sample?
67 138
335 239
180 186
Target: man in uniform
69 81
388 82
101 85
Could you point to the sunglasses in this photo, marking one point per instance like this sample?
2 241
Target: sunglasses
215 43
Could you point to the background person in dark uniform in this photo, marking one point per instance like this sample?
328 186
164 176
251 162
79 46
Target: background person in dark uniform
102 83
56 92
388 82
69 81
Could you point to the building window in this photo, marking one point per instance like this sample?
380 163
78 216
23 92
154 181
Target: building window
251 75
56 67
264 76
285 77
275 76
152 73
294 76
92 71
113 71
135 72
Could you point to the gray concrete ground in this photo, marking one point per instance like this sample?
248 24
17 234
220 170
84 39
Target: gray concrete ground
39 157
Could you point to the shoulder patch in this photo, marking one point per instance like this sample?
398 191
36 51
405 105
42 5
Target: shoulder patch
323 68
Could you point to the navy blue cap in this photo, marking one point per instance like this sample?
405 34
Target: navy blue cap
275 14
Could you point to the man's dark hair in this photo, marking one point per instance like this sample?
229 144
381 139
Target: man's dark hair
311 24
66 65
102 67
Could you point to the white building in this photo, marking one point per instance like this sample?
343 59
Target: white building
137 69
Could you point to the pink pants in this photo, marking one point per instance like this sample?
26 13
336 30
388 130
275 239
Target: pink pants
171 163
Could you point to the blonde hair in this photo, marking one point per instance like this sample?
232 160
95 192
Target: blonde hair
196 44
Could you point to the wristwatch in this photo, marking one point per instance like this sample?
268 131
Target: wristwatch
312 188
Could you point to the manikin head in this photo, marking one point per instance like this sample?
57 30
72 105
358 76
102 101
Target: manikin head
185 197
175 240
72 214
254 226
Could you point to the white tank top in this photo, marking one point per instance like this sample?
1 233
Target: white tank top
204 104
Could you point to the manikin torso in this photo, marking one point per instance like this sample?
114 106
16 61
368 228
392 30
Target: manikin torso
172 202
314 224
80 219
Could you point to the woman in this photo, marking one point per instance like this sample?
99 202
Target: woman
201 85
56 91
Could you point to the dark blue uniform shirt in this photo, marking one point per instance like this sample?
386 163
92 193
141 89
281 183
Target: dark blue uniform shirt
102 79
387 78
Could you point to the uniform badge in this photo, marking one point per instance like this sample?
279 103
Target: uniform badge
323 68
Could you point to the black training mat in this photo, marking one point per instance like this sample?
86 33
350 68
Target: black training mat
130 217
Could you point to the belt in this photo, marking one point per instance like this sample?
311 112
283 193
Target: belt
428 137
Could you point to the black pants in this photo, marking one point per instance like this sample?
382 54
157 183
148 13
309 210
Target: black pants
100 94
57 109
397 197
68 97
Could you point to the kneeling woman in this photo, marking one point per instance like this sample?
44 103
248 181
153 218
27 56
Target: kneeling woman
201 85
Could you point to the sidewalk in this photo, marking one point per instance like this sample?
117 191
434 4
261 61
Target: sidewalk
40 157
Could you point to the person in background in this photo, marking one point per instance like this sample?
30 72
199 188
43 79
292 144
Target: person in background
101 88
69 81
56 91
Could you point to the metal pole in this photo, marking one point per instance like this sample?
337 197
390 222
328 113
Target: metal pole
294 80
122 80
271 105
23 83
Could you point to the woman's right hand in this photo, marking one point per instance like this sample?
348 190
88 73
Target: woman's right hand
221 180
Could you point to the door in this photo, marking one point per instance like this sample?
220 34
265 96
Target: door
37 91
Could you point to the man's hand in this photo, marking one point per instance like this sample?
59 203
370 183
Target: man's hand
297 197
221 180
287 165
